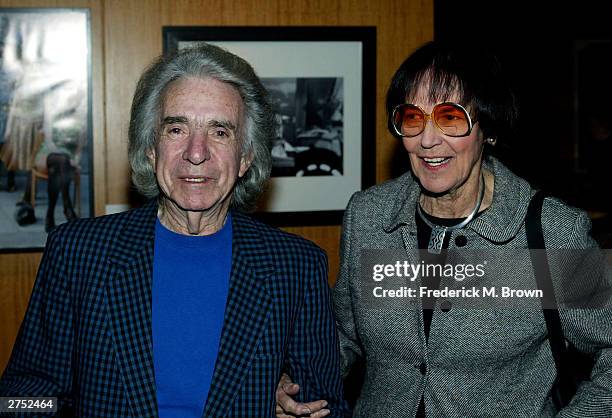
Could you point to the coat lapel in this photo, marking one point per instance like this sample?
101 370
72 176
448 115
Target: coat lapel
128 294
246 314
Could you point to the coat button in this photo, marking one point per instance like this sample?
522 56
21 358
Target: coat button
423 368
445 306
460 241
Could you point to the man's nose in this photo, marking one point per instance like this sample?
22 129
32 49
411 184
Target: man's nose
197 150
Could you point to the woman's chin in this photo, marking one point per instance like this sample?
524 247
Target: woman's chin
434 187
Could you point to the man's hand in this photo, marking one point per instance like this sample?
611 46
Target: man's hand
286 407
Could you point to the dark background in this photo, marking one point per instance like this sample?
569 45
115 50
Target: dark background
535 42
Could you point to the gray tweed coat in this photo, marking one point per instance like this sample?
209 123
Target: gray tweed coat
477 363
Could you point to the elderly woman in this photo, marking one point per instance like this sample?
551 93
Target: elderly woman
449 106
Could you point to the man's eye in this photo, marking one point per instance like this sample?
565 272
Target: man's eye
220 133
175 132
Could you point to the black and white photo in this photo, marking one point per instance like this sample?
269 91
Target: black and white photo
310 122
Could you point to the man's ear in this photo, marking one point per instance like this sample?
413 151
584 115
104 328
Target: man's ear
245 162
151 156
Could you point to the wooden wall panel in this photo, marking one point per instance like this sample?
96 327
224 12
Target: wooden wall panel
126 36
16 280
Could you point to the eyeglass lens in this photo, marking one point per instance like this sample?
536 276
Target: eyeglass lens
409 120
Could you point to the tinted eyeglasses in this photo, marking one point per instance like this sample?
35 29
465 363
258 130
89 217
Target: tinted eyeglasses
450 118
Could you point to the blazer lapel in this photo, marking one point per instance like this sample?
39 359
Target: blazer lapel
129 310
246 314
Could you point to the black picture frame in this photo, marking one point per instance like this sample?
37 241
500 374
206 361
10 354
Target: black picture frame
46 108
312 186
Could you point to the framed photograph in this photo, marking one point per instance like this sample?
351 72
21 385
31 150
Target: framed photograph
321 82
45 123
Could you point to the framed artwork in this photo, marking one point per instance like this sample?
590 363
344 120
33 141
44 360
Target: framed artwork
45 123
321 82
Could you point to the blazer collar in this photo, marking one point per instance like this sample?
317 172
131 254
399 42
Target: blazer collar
246 314
129 293
499 223
129 308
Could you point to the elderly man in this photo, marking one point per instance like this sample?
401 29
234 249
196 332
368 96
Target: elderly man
185 307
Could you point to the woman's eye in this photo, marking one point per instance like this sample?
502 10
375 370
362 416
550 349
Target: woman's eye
450 116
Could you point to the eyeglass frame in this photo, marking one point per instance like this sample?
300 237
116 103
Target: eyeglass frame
471 122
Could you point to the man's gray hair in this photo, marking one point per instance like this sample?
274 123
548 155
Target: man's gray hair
202 61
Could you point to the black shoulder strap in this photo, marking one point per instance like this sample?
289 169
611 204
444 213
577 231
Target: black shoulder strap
541 269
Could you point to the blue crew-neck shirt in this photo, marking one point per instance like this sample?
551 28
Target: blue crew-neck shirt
190 286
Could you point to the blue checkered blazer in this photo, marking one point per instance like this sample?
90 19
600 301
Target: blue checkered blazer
86 337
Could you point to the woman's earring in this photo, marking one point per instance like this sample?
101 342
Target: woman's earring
491 141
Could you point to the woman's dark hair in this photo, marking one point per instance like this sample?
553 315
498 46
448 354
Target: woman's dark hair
448 68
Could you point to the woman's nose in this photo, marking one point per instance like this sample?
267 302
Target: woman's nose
431 135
